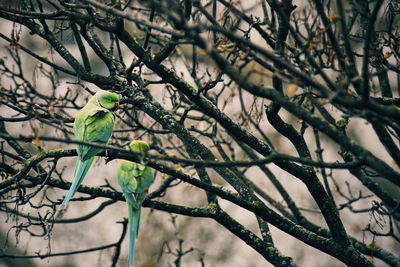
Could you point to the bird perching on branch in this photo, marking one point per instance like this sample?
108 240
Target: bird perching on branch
93 123
134 180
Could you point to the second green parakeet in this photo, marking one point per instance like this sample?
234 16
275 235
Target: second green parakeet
134 180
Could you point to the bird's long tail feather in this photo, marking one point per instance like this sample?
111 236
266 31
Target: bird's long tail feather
133 220
81 169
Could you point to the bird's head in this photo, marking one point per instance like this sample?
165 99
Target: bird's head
139 146
108 100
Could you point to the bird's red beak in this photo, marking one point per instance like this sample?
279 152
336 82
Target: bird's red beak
117 105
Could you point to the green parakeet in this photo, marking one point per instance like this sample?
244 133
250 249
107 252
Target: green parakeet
134 180
93 123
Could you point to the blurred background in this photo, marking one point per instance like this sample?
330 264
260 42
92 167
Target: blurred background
51 98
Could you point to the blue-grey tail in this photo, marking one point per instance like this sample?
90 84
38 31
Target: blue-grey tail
81 169
133 220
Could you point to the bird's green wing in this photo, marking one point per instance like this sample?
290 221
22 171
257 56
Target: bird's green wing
147 178
93 124
144 180
127 181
